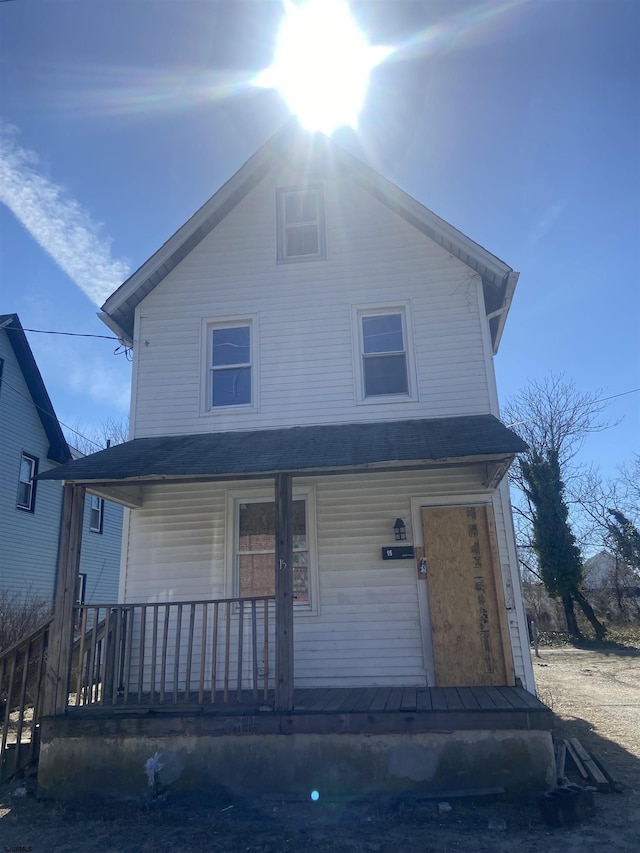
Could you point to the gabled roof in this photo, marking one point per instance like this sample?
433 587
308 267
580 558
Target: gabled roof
292 144
58 447
300 450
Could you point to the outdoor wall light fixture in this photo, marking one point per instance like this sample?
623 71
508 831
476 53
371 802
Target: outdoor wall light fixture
400 530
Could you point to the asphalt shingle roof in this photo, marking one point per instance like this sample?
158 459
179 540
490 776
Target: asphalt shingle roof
295 449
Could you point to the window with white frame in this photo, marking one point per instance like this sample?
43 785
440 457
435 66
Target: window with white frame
300 224
26 486
383 358
253 546
81 588
230 355
96 514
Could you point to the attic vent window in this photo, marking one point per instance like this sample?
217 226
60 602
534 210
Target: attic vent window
300 224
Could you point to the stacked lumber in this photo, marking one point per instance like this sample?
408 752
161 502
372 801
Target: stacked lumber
591 768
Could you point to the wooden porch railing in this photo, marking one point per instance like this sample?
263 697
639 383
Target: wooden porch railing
173 653
22 671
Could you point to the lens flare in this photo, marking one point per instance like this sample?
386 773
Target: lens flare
315 796
322 64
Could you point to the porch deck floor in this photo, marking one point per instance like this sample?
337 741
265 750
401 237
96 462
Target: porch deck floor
366 709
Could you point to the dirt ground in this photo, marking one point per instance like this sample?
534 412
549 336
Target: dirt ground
595 696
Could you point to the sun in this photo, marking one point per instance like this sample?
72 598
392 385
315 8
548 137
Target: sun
322 64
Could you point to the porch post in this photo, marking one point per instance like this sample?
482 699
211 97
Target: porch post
284 593
61 631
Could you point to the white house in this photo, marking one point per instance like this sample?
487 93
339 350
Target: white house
317 503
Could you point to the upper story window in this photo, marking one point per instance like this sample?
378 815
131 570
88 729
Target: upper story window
300 224
26 486
385 362
384 355
96 514
230 365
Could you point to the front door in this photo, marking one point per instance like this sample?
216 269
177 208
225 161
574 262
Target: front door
466 601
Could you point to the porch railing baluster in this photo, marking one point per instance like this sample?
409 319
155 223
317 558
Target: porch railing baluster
26 654
240 639
91 651
214 652
129 647
121 659
225 694
176 660
165 643
117 642
266 650
143 625
154 656
187 682
21 687
254 648
203 654
80 690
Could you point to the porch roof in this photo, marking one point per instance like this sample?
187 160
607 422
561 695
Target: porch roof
306 449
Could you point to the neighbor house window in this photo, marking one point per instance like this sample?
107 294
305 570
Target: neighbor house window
81 588
300 224
26 485
230 365
96 514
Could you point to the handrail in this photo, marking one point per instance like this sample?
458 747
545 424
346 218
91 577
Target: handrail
172 652
22 671
19 643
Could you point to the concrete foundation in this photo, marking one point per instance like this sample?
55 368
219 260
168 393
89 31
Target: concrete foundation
336 765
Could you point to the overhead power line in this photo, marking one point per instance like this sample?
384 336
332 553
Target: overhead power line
40 408
601 400
72 334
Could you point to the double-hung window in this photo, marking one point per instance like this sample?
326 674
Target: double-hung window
384 363
230 365
384 355
252 546
256 548
26 486
96 514
300 224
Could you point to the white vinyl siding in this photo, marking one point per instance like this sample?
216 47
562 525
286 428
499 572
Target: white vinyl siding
307 373
367 628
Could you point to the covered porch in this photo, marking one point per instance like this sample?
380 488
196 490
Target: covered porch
237 677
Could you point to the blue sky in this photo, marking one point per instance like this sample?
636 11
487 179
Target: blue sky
518 122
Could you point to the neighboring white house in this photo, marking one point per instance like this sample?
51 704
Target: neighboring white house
32 442
605 570
313 320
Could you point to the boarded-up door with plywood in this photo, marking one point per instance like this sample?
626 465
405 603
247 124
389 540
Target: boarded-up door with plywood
466 601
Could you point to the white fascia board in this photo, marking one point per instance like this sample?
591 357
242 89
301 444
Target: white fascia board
122 336
512 281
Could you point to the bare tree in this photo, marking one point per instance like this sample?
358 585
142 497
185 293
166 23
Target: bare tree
89 440
554 418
